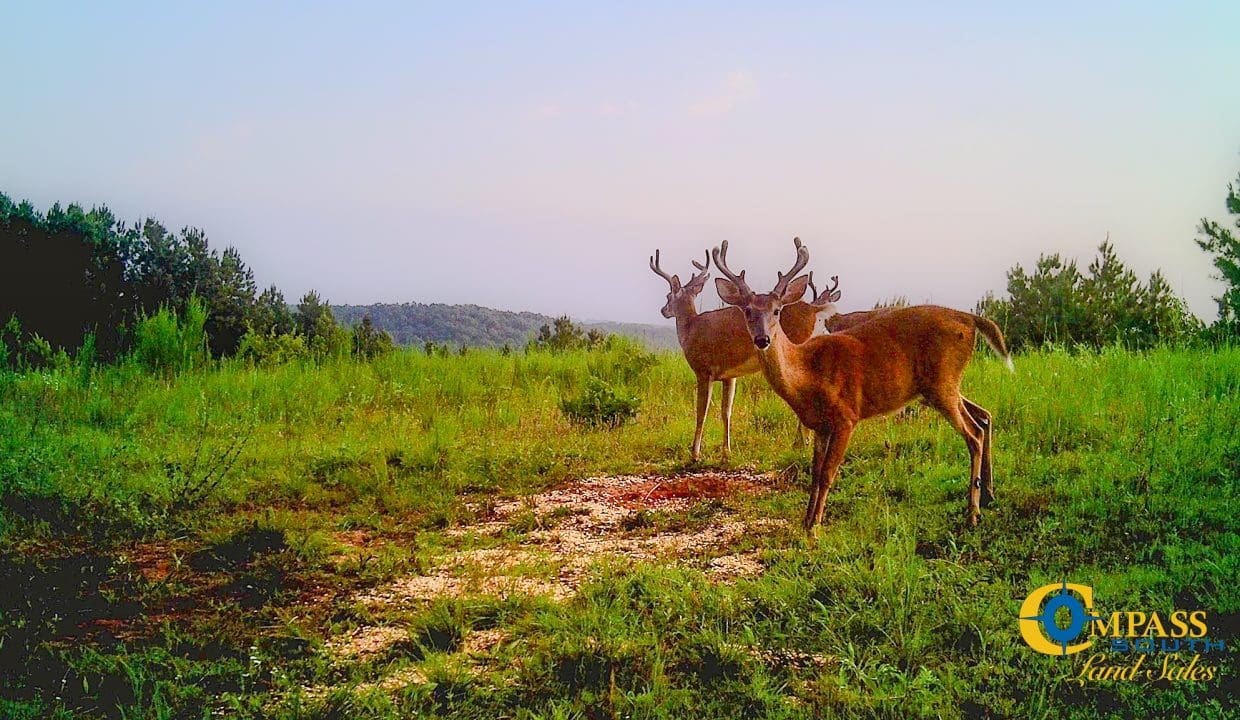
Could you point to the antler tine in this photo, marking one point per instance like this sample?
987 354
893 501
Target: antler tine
829 294
720 255
654 265
702 266
832 293
703 269
782 280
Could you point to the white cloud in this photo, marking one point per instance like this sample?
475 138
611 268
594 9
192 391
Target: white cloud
739 87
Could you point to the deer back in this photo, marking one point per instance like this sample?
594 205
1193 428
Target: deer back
900 354
717 344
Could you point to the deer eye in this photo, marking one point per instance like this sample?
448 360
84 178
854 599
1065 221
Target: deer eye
776 312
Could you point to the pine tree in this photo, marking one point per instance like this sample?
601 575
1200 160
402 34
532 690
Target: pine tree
1222 242
271 315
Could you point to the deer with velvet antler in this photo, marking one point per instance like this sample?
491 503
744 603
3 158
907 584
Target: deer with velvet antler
716 344
832 382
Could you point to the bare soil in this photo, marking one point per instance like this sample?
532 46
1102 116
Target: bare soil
573 526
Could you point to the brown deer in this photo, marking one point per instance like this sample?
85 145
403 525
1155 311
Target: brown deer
717 345
846 321
832 382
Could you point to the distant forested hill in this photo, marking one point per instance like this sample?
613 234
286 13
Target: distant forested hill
477 326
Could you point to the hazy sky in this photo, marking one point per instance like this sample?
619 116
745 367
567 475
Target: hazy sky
533 158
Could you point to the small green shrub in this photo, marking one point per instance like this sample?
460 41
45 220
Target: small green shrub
268 349
369 341
331 342
86 359
11 344
169 344
40 351
600 406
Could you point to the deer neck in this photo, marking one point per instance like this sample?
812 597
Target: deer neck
685 320
778 362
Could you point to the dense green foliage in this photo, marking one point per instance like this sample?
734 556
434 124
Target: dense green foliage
471 325
1106 305
1224 247
1058 304
71 274
198 544
563 334
63 274
369 341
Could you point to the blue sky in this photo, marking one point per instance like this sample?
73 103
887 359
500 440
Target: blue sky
532 158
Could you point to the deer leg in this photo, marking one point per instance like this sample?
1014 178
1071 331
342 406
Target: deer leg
972 434
820 452
729 394
703 404
982 417
833 455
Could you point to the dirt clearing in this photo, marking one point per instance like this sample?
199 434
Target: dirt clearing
548 542
558 534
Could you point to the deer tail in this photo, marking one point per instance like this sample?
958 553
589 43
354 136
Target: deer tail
994 338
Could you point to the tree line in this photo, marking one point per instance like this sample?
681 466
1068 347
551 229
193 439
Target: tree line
73 279
1107 304
1057 303
417 324
470 325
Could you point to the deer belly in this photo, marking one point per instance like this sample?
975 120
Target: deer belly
748 367
883 398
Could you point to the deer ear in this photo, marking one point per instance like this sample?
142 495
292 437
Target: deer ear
675 283
729 292
796 289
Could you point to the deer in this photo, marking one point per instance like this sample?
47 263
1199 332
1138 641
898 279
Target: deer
833 382
717 346
845 321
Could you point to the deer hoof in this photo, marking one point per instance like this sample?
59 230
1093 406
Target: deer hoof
988 496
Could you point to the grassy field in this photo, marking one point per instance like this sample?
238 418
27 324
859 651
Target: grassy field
430 536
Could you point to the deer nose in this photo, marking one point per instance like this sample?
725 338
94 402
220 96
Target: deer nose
762 341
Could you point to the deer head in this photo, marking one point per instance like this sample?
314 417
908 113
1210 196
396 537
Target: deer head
825 300
762 309
680 298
